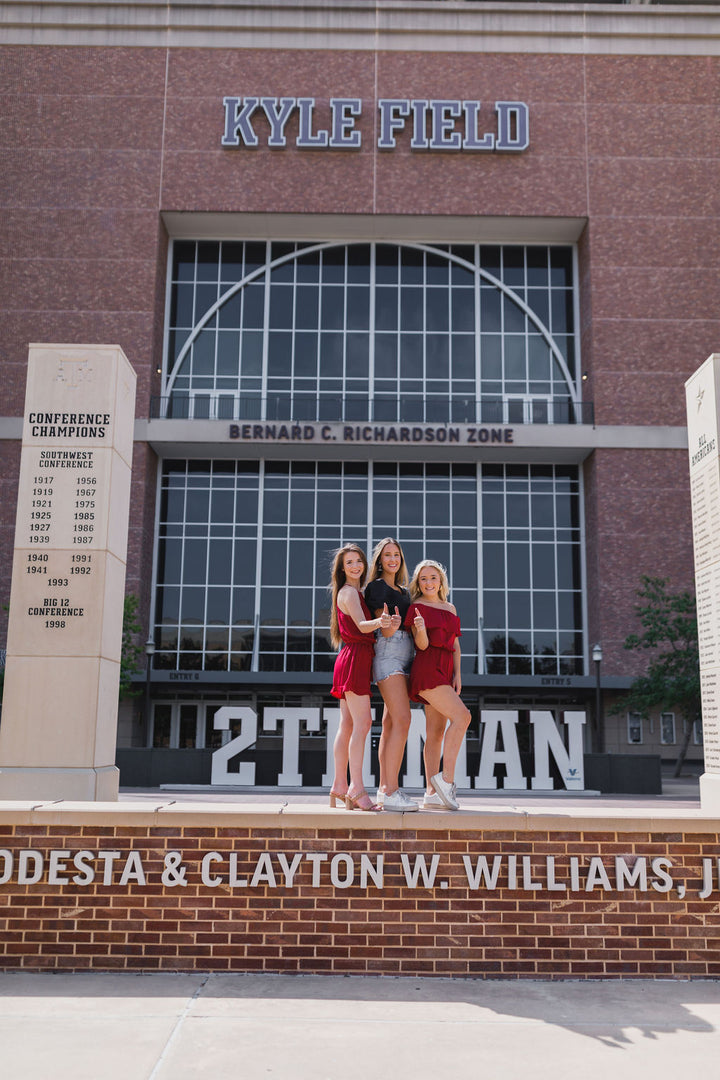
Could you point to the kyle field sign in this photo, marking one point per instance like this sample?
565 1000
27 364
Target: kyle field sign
445 124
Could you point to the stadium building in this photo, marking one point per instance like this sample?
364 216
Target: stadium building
434 270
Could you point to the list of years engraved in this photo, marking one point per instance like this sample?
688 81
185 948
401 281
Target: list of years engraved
705 498
38 564
710 686
61 510
705 494
55 576
60 539
707 585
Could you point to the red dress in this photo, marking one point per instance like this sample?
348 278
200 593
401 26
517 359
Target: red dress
433 666
353 667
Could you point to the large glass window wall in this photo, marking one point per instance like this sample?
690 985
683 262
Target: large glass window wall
387 332
245 549
438 333
532 573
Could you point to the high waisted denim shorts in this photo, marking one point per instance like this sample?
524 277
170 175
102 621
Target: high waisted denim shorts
393 655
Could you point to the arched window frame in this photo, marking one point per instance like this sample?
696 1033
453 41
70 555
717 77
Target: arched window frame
266 269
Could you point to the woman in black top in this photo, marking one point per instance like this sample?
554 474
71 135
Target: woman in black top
394 651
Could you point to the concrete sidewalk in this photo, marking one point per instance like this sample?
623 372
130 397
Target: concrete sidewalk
181 1027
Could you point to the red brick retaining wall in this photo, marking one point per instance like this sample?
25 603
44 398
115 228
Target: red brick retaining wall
529 927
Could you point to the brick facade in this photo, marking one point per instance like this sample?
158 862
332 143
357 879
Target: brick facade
99 142
520 929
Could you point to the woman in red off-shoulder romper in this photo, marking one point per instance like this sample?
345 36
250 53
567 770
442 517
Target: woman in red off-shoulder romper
352 627
435 679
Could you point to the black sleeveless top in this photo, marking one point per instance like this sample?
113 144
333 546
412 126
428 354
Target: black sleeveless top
378 592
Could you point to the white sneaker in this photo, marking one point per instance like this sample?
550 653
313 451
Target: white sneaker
431 801
399 801
446 792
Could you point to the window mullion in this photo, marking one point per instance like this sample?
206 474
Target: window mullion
258 567
370 508
371 336
478 340
480 568
266 334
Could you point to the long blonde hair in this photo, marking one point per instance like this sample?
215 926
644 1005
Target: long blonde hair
401 577
337 580
443 591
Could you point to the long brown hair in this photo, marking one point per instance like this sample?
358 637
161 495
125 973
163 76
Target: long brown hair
337 580
401 577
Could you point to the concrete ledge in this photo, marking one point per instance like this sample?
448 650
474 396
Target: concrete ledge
451 26
164 812
563 443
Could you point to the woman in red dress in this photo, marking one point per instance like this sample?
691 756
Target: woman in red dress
352 627
435 679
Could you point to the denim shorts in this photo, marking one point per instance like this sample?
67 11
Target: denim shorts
393 655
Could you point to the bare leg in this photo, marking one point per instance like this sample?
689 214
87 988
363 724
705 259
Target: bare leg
359 709
446 703
340 750
396 724
435 724
382 745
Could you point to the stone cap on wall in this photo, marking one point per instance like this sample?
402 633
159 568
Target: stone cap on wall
168 813
397 25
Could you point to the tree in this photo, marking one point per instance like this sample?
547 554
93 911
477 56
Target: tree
672 679
132 652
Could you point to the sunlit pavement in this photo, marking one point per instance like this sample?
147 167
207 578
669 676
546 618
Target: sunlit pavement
181 1027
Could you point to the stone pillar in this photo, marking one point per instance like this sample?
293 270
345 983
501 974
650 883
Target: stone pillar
702 400
59 714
